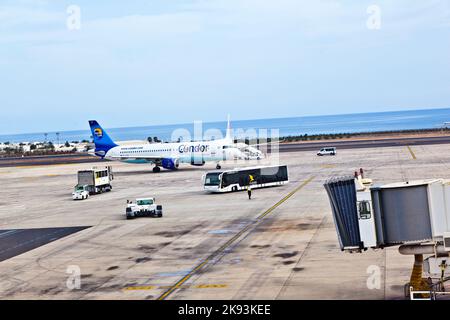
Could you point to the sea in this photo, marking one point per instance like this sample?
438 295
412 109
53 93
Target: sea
283 127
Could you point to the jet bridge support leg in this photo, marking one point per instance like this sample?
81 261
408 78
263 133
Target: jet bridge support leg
416 281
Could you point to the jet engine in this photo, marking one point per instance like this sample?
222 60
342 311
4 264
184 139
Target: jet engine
169 163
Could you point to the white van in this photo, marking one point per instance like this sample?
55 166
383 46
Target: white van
327 151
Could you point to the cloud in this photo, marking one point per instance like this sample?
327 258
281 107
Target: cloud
18 18
190 56
223 18
135 26
406 14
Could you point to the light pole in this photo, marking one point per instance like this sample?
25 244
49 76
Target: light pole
57 138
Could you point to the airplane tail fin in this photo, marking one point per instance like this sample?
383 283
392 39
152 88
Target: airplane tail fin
102 140
228 132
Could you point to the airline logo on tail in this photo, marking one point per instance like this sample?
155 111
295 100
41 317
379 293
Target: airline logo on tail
98 132
102 141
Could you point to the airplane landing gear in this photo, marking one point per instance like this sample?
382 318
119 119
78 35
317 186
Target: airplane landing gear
156 169
218 166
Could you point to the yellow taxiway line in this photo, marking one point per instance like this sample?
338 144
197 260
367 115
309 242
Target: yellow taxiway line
179 283
411 152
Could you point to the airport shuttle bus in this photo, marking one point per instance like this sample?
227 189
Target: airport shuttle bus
241 178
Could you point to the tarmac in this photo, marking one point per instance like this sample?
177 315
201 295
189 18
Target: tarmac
376 142
282 244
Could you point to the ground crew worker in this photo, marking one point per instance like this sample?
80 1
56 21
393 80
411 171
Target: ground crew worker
249 188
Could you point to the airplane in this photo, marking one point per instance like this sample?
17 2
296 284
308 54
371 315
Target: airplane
171 155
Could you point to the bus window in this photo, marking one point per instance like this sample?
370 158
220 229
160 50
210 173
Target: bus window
212 179
275 174
230 178
243 177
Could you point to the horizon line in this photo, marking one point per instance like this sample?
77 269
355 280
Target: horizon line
220 121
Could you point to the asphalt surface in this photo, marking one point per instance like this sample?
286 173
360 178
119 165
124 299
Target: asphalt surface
17 241
280 245
283 147
48 160
356 144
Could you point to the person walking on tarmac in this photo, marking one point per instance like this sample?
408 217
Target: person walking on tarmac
249 188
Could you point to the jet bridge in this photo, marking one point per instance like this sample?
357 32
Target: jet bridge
414 215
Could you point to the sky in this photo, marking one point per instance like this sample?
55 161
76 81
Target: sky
137 63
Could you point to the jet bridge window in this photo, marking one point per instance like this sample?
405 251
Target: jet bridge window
364 210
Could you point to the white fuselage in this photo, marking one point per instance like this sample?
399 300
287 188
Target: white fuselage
183 152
